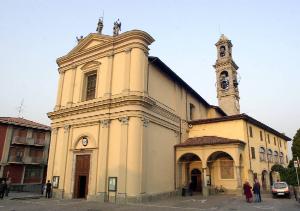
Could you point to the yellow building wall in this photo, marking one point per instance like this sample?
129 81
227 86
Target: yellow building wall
159 158
226 129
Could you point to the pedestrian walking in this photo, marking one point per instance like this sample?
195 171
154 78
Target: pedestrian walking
247 191
8 183
256 191
48 189
2 189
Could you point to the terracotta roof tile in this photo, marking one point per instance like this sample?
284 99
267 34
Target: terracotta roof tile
208 140
23 122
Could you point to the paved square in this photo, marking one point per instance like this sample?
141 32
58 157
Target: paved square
220 202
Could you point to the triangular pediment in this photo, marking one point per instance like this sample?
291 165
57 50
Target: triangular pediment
89 42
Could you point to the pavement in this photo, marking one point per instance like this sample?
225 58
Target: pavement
21 201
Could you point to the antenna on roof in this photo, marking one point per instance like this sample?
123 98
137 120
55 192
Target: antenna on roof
21 109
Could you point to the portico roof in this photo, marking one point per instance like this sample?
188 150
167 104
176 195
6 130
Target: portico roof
208 140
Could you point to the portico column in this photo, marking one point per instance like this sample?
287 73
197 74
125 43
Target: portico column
204 186
60 89
103 161
238 176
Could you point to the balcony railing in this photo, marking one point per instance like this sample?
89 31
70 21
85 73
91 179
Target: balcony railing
28 141
27 160
16 159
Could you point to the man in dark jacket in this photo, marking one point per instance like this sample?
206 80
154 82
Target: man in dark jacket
48 189
256 191
2 189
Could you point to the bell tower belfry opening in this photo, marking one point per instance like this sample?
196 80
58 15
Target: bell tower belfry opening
227 81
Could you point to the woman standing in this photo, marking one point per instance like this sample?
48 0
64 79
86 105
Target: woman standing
247 191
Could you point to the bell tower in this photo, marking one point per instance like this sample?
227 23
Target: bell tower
227 82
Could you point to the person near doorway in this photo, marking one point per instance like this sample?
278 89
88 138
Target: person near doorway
2 186
8 182
256 191
191 188
48 189
247 191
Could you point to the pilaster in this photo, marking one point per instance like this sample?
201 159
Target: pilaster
72 87
60 89
123 159
110 58
126 79
52 152
103 159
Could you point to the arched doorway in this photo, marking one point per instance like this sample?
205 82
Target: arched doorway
196 180
264 175
188 171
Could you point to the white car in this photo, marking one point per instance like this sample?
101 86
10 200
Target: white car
281 189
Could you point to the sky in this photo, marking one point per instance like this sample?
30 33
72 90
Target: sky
265 37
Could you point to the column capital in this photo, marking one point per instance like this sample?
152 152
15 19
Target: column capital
66 128
105 123
54 130
145 121
124 120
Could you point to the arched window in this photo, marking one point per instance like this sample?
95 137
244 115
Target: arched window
276 157
224 80
270 153
222 51
281 157
262 153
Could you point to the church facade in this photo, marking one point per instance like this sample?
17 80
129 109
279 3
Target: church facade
125 127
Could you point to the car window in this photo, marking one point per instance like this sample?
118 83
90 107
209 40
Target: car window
280 185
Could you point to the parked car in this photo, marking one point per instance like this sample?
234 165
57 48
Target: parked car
281 189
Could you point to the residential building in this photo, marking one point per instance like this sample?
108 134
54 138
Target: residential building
24 147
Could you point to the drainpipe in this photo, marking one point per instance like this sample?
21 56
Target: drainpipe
248 145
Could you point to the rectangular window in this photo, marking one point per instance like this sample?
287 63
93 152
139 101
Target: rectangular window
91 86
253 152
284 145
33 174
268 138
261 135
274 141
192 111
250 131
279 143
227 171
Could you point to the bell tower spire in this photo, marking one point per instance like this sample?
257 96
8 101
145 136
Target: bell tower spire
226 73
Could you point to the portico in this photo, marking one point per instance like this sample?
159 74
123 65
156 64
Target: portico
217 166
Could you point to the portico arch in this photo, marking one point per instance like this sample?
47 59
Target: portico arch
222 170
189 165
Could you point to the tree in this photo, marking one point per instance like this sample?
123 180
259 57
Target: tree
296 145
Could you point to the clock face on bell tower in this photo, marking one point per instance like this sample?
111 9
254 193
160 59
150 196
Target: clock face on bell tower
226 76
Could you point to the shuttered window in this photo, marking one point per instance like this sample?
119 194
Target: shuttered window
91 86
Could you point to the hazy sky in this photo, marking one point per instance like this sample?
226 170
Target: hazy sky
265 35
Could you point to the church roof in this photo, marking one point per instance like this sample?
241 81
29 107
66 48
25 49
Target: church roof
208 140
23 122
243 117
156 61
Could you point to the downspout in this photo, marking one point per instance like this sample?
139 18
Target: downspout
248 146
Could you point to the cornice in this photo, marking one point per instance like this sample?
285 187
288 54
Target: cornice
103 104
139 39
226 63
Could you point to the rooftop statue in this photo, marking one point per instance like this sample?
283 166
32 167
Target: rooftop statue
117 27
100 25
